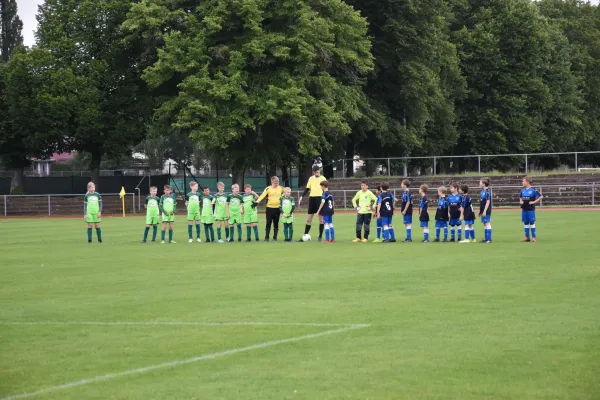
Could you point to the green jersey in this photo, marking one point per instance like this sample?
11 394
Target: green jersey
167 204
287 204
366 200
207 209
235 204
248 200
193 202
221 205
152 208
92 203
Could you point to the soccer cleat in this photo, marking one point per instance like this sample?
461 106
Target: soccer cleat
534 240
266 240
162 242
365 240
385 241
240 239
465 241
425 241
248 240
452 240
332 241
172 242
436 240
526 240
143 241
377 241
487 241
199 240
319 240
99 241
483 241
274 240
392 240
357 240
220 241
326 241
445 241
299 241
154 241
190 240
89 241
407 241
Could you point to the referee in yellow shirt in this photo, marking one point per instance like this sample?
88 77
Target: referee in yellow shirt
314 201
273 194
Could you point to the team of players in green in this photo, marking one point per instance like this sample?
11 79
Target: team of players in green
226 210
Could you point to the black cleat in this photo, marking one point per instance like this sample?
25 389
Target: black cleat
319 240
392 240
274 240
452 240
445 240
407 241
89 241
266 240
385 241
436 240
143 241
248 240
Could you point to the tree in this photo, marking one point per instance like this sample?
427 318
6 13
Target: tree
114 108
255 77
10 29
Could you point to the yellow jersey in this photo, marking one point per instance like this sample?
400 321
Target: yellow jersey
314 185
273 195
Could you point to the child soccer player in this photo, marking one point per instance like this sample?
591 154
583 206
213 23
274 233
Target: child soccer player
207 216
326 210
167 206
250 213
192 202
221 208
407 209
529 198
454 204
423 213
234 200
92 210
365 199
441 215
485 209
467 214
385 212
152 213
378 220
288 204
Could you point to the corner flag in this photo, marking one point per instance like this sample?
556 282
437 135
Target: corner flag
122 196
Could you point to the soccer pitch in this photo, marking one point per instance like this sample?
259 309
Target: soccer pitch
125 320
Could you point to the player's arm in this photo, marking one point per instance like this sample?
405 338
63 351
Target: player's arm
263 195
407 204
281 207
538 197
146 203
306 190
356 197
321 206
85 207
100 207
487 204
293 207
161 205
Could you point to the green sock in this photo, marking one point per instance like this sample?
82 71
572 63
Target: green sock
249 232
162 235
198 231
291 231
89 234
239 232
154 232
219 233
146 233
285 231
170 235
99 234
226 232
206 234
190 232
231 233
255 232
212 233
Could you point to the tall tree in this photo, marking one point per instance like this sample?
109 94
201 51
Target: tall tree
10 29
253 76
114 108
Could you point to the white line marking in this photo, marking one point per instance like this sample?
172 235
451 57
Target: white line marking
178 323
176 363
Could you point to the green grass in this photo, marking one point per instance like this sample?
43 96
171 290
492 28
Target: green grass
448 321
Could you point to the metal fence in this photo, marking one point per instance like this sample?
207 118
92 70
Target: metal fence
62 204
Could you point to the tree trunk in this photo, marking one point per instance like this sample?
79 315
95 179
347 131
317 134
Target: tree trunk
271 171
95 168
349 158
237 176
17 184
285 176
327 168
304 171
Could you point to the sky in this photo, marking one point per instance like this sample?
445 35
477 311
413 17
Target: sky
28 9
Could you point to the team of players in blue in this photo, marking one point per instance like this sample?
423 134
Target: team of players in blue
452 211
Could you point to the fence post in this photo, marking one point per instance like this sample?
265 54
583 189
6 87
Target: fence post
479 164
389 170
344 199
5 206
526 165
49 212
575 161
541 200
593 194
133 202
434 165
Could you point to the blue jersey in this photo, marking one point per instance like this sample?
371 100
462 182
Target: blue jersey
529 195
484 196
407 199
467 205
454 204
387 204
327 209
441 214
423 205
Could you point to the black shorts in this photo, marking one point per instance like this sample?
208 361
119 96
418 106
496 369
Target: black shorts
313 204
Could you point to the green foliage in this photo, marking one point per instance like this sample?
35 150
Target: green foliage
10 29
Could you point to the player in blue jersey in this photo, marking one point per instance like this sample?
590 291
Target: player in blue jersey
454 204
424 213
407 209
485 209
467 214
326 210
529 198
378 220
441 215
385 211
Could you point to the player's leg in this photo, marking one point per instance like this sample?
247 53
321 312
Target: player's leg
190 230
526 225
239 230
171 232
276 216
309 217
391 232
425 232
255 229
379 228
386 233
146 231
488 230
291 231
331 230
98 232
211 232
532 226
89 232
197 225
163 230
269 215
367 225
408 224
445 231
359 224
231 225
248 232
437 230
321 227
226 226
154 230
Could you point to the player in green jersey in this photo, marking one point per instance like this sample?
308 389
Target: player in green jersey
235 200
92 210
250 213
221 207
192 202
152 214
287 207
167 207
208 217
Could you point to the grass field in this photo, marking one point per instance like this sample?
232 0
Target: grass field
508 320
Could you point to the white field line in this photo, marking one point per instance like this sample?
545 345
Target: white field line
176 363
179 323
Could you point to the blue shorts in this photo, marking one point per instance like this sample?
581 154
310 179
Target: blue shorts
328 219
469 222
386 221
441 224
486 219
424 224
528 217
455 222
408 220
379 223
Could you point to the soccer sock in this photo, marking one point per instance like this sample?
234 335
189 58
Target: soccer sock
198 231
89 234
170 235
249 232
211 229
378 232
452 233
385 233
426 233
445 233
218 233
190 232
154 232
327 232
472 234
459 229
409 233
255 232
99 234
332 232
162 235
146 233
285 231
533 232
226 233
239 232
488 233
206 233
437 233
526 231
307 229
392 233
321 228
231 233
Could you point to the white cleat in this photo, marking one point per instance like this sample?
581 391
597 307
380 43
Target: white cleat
220 241
199 240
162 242
191 241
465 241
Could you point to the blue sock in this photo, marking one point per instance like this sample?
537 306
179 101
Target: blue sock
408 233
146 233
392 233
426 234
378 232
526 231
533 232
331 232
453 233
445 233
327 234
459 232
437 233
472 234
386 234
